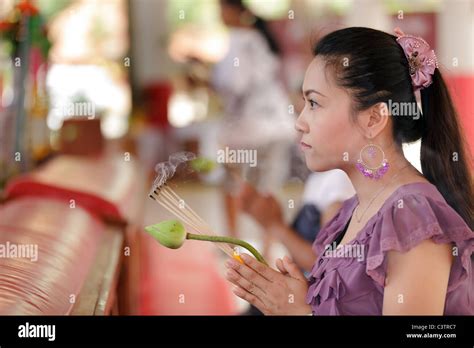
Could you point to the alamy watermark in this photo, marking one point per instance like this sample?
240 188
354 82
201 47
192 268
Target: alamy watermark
345 251
28 330
246 156
23 251
76 109
410 109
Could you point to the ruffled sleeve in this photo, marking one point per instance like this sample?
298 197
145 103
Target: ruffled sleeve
411 220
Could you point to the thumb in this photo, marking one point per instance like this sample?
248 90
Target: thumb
293 269
281 268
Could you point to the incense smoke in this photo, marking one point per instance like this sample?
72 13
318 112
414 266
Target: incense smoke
166 170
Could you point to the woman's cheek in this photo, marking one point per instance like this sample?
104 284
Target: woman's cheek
329 141
317 157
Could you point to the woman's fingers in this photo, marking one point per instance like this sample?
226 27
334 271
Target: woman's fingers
250 287
281 267
293 269
248 273
268 289
247 290
250 298
259 268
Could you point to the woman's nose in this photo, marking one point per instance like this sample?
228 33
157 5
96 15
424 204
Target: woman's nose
300 125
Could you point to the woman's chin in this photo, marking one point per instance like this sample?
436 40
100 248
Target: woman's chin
314 167
317 166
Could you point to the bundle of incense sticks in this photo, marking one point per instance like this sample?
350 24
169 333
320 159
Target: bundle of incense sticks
162 193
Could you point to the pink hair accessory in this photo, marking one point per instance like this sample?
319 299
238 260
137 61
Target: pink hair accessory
421 59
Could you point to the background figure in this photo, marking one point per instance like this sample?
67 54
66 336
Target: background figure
255 105
323 195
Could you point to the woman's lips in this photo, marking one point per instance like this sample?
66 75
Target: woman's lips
304 146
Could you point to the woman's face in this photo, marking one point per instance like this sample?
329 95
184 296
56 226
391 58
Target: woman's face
329 139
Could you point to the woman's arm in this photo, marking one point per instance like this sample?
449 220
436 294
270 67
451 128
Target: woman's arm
417 281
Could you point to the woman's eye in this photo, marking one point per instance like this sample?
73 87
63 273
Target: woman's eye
313 104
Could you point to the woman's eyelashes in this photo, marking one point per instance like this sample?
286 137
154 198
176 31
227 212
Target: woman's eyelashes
313 104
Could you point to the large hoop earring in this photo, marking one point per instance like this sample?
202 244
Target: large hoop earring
368 171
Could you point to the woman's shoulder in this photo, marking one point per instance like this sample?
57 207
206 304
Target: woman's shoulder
418 205
414 213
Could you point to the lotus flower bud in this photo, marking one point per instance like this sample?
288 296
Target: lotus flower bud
169 233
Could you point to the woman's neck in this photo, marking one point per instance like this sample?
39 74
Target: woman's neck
400 172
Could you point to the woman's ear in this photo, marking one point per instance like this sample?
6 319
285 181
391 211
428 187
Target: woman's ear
374 120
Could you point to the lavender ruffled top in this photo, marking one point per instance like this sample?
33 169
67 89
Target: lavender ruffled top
351 281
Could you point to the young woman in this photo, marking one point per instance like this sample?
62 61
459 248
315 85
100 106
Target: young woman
413 230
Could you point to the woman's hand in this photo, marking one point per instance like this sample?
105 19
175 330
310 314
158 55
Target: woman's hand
272 292
265 209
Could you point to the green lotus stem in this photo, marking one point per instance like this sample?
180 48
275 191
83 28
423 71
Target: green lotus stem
172 234
229 240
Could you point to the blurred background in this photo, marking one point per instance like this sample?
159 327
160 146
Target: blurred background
94 93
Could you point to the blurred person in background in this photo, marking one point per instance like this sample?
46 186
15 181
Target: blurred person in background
255 106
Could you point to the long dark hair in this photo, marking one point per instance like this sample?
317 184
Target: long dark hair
376 70
259 24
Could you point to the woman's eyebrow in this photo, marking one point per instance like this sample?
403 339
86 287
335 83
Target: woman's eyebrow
309 91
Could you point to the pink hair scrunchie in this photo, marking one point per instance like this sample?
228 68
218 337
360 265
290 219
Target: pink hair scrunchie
421 59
